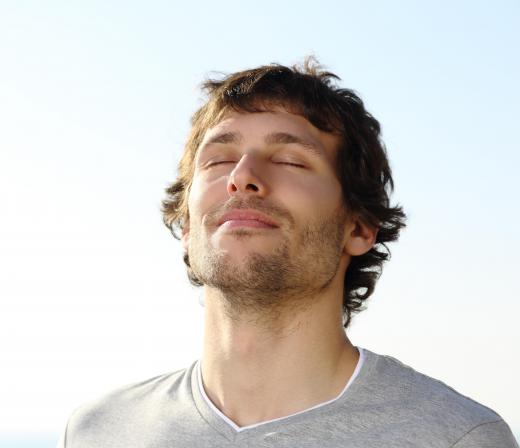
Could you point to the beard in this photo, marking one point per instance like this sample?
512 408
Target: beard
266 284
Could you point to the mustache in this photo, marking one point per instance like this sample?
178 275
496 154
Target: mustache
269 208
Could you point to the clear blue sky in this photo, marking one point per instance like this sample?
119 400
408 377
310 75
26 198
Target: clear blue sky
95 100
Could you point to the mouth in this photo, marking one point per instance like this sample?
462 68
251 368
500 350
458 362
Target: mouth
251 223
246 218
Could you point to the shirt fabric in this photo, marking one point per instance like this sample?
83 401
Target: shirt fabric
385 404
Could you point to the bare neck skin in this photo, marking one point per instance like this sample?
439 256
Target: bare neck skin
254 374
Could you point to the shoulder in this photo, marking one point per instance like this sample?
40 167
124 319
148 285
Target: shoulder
136 393
126 408
429 405
433 394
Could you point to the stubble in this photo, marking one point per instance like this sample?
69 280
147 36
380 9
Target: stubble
264 286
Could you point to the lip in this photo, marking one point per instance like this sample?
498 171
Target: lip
246 218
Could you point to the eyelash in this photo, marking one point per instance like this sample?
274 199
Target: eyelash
219 163
297 165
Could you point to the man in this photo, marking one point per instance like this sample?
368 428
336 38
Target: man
282 206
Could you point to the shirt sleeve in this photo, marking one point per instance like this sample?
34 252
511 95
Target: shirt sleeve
488 435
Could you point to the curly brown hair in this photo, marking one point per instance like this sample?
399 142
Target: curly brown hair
363 167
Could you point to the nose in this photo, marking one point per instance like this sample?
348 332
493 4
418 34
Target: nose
245 178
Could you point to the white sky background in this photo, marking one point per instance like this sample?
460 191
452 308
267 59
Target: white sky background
95 100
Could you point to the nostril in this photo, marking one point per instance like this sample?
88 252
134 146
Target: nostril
251 187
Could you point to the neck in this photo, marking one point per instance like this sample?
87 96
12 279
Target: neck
255 372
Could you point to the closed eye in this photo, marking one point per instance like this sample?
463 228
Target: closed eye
297 165
222 162
219 162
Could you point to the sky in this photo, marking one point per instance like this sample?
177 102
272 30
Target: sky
95 102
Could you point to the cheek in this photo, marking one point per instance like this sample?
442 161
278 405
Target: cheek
204 196
313 194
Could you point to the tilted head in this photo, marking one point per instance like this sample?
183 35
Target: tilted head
362 165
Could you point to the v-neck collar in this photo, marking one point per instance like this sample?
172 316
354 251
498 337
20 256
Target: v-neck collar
231 431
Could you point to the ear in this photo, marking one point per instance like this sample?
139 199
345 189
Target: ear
359 237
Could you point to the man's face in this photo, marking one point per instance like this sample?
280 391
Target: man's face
267 220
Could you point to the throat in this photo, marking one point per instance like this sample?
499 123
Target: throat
259 382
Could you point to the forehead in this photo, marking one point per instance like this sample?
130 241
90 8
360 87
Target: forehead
252 126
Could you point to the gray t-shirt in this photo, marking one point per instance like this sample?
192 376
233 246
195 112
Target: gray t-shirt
387 404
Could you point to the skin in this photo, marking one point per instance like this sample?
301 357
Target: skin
274 343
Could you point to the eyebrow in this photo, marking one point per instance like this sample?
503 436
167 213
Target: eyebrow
283 138
225 138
